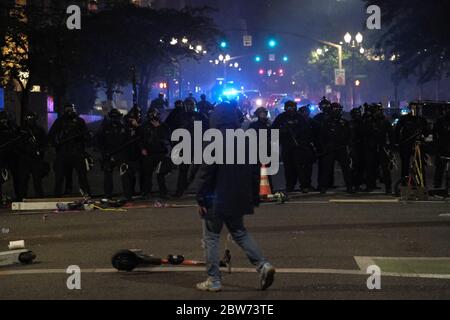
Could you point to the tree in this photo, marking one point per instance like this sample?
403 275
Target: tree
124 37
416 32
319 71
109 45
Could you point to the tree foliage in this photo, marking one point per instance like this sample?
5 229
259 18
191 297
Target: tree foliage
416 31
109 44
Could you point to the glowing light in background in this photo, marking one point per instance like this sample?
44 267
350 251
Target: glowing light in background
2 99
50 104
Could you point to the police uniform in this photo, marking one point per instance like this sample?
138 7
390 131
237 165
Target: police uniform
155 142
289 125
377 139
334 138
68 136
31 160
409 129
9 141
112 142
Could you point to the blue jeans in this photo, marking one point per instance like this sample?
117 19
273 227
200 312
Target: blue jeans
212 227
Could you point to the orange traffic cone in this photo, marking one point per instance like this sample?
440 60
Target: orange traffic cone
264 188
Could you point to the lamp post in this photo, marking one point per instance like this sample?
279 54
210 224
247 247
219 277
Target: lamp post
353 44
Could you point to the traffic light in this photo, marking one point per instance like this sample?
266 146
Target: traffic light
285 59
261 72
272 43
223 44
258 58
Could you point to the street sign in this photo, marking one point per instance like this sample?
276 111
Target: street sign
272 57
248 41
339 76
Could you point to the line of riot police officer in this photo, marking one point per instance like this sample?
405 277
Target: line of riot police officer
137 148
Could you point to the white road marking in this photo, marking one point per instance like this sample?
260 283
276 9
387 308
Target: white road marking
364 200
234 270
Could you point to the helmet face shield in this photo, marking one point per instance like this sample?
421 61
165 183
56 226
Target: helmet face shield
290 106
325 105
262 113
305 111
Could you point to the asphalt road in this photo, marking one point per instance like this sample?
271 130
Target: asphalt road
314 244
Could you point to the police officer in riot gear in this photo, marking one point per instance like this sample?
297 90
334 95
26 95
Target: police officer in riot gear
307 149
411 128
262 123
160 103
204 106
69 135
357 147
305 113
186 120
318 122
441 134
32 152
155 147
289 125
378 135
9 141
112 140
132 171
175 119
334 139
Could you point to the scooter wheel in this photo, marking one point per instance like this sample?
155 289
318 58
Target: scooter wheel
125 260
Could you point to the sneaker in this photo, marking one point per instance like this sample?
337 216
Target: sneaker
209 286
267 276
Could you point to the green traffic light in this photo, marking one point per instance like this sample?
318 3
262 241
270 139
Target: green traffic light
258 59
272 43
223 44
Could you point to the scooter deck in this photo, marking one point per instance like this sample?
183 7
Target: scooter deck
12 257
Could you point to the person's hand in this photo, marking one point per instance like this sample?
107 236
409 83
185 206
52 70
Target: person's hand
202 211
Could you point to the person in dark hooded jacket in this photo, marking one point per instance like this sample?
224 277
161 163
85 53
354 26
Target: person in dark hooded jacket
228 192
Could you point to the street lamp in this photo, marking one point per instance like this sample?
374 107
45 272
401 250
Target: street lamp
354 45
348 38
359 38
319 51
